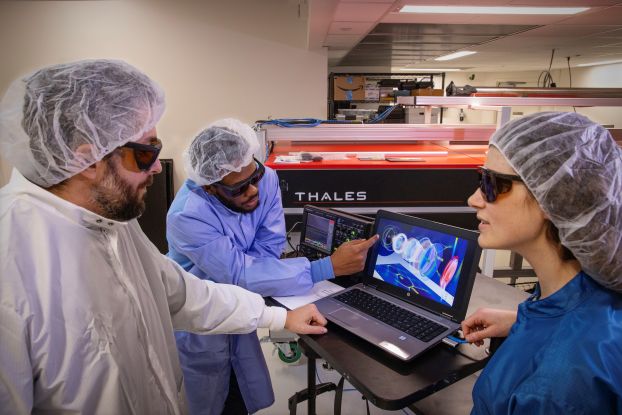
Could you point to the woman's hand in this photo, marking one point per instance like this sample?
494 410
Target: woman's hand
486 323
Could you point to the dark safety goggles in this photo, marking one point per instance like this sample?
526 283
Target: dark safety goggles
492 184
145 154
241 187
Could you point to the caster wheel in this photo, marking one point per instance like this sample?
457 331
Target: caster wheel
294 357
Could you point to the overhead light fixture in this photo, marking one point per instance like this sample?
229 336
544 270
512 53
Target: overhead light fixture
431 69
455 55
491 10
600 63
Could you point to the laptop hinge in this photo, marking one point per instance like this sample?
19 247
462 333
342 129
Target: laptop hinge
449 316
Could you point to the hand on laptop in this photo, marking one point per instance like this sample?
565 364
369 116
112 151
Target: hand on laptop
305 320
350 257
486 323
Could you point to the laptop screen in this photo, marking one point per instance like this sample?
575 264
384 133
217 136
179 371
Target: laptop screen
429 263
425 262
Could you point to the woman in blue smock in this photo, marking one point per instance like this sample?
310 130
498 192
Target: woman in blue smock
551 190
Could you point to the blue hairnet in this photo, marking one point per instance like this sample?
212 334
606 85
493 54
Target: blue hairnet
573 167
63 118
225 146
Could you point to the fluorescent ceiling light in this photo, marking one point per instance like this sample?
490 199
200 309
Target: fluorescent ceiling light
491 10
431 69
455 55
600 63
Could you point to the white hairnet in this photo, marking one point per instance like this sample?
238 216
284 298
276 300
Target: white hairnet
225 146
61 119
574 169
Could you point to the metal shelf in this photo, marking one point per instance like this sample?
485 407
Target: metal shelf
362 101
331 107
336 133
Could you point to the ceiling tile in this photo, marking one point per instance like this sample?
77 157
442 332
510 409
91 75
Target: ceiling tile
493 30
422 41
344 28
520 19
455 2
368 1
341 40
602 16
403 39
469 19
360 12
564 3
561 30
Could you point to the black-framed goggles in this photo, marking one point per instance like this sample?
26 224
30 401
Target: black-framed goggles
492 184
241 187
145 154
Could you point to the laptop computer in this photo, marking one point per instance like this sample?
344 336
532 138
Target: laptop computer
416 285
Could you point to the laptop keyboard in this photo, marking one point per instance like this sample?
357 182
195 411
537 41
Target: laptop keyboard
398 317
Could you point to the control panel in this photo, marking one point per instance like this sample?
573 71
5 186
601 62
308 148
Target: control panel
325 229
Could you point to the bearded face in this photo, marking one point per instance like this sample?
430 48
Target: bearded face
115 197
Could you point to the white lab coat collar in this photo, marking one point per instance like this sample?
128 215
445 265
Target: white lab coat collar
18 184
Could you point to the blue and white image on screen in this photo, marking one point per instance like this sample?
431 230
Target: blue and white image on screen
421 261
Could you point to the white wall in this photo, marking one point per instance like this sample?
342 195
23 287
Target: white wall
236 58
605 76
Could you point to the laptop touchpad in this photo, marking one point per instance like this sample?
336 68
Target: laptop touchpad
348 317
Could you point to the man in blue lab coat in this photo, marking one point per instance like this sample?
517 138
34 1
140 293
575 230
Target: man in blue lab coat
226 224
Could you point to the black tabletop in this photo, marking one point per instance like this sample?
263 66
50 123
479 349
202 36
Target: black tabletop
390 383
386 381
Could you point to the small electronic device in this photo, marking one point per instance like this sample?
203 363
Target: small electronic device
324 229
310 157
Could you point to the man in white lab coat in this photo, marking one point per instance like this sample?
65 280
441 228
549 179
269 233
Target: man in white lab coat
88 305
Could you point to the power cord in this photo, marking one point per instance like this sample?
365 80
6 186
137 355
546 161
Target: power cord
288 237
457 339
385 114
319 381
317 375
546 77
314 122
268 149
455 342
570 78
366 404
